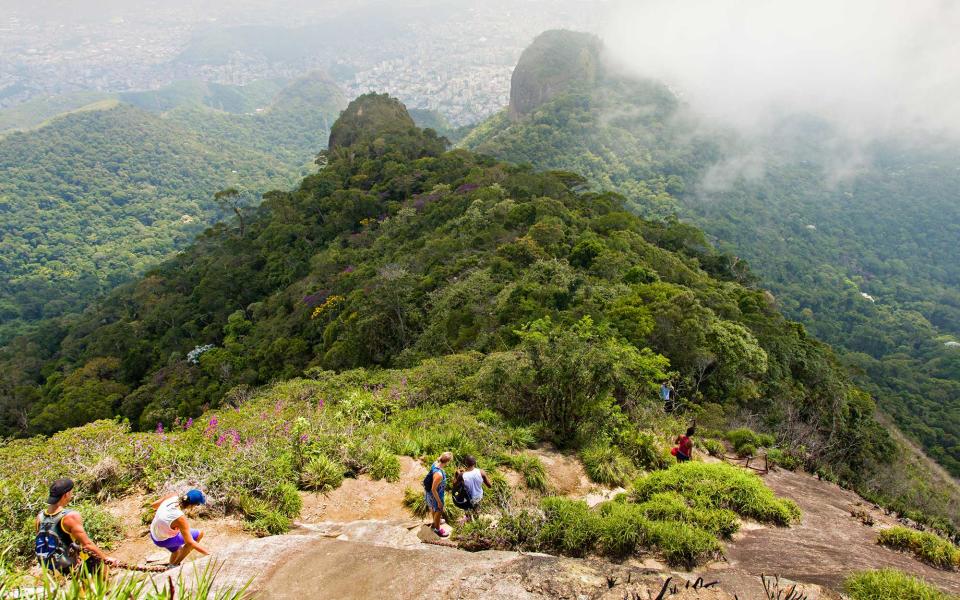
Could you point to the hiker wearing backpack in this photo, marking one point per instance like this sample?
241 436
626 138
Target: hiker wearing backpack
468 487
170 529
62 544
434 485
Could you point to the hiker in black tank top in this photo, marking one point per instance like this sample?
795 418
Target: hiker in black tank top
67 525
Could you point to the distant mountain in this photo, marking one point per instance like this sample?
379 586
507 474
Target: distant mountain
867 260
108 189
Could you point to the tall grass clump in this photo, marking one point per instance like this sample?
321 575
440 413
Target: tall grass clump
607 465
890 584
569 528
718 486
927 546
530 467
321 474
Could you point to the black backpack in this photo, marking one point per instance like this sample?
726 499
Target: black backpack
52 550
428 480
461 499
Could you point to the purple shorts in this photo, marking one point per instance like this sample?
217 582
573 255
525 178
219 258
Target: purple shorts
176 542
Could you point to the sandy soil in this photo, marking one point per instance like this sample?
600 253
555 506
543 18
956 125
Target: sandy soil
364 498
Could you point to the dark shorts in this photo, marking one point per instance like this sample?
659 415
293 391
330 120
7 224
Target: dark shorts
176 542
681 457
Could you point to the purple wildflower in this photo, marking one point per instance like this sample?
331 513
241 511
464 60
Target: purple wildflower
188 424
349 269
467 187
159 427
303 438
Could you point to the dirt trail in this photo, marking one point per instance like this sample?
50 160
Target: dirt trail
827 546
364 498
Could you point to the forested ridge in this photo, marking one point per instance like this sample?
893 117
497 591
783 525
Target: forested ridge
863 254
398 251
98 195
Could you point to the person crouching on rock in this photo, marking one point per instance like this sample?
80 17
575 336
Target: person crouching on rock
170 529
684 449
434 485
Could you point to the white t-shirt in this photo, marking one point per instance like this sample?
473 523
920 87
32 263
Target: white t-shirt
473 481
161 528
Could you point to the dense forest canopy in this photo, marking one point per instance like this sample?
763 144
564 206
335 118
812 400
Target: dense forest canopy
866 259
102 193
398 251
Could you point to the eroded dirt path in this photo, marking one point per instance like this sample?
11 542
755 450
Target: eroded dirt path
828 545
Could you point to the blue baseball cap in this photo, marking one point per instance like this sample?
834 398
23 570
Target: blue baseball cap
195 497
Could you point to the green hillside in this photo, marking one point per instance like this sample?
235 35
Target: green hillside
818 242
104 192
398 252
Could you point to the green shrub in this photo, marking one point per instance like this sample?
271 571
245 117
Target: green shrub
271 522
783 458
478 534
741 437
642 448
569 528
623 529
718 486
286 500
531 467
712 447
890 584
765 440
927 546
321 474
102 527
383 464
607 465
670 506
416 501
683 544
520 529
746 450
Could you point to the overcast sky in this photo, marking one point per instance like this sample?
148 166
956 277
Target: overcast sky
873 66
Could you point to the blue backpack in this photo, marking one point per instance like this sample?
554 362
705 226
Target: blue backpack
53 551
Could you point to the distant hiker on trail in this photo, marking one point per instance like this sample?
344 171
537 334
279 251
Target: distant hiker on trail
468 487
62 544
684 449
667 394
434 485
170 529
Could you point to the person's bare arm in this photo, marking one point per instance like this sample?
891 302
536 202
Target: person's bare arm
184 527
73 525
437 479
157 504
486 480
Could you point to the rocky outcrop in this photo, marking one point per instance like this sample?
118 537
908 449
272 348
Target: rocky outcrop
369 115
557 62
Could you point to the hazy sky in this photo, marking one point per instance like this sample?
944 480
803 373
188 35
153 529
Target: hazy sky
873 66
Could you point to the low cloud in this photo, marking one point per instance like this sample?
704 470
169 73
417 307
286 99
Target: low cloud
871 67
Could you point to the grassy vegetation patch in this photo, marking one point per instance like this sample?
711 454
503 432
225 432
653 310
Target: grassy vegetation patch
718 486
607 465
890 584
927 546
